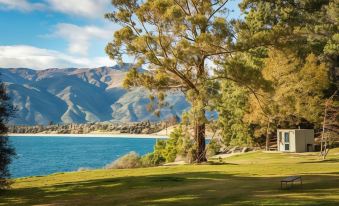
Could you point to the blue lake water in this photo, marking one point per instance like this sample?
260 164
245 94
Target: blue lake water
47 155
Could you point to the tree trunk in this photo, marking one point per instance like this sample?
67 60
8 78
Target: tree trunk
322 151
268 136
200 130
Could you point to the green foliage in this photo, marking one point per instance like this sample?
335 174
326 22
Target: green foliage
299 85
233 105
304 25
213 148
164 152
158 153
274 67
6 150
130 160
170 151
150 160
177 40
298 55
178 144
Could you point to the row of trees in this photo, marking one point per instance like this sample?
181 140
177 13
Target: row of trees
85 128
273 67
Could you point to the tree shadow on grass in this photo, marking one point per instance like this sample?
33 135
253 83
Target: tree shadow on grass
333 160
192 188
216 162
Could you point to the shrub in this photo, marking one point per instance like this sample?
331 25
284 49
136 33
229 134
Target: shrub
170 151
213 148
147 160
178 144
158 155
130 160
151 160
80 169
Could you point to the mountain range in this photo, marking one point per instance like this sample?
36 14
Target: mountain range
80 95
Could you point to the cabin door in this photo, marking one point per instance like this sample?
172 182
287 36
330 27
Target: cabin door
287 141
309 148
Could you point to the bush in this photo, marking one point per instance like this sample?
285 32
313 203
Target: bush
156 157
147 160
151 160
130 160
81 169
213 148
177 145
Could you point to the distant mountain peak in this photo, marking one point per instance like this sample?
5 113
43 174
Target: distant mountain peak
79 95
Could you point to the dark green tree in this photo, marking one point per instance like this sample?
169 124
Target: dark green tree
6 150
232 109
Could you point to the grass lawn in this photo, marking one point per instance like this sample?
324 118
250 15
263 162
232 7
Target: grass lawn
247 179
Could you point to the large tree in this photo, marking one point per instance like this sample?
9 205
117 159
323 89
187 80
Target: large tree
298 26
178 40
6 151
300 55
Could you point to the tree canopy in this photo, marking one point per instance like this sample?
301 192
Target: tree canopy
276 64
181 42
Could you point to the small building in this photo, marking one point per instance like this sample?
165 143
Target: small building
295 140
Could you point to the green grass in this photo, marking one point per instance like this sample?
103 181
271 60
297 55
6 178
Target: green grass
247 179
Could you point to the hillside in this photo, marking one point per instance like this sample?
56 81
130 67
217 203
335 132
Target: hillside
247 179
80 95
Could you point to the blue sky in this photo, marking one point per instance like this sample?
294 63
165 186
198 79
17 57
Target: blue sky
43 34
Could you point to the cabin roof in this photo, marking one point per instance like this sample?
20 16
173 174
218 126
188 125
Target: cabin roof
294 129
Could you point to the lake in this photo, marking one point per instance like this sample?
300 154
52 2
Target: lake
46 155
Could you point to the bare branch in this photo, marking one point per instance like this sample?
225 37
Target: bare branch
218 9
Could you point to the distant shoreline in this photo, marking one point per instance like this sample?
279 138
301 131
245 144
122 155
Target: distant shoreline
123 135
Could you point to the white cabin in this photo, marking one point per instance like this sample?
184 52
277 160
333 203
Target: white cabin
295 140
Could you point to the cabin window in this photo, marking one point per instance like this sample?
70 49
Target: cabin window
287 137
287 141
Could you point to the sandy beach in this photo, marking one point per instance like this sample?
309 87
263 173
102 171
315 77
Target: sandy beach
163 134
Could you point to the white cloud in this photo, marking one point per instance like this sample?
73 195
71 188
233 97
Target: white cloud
38 58
22 5
83 8
80 38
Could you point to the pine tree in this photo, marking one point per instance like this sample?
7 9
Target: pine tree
297 100
177 40
301 27
300 44
6 151
231 111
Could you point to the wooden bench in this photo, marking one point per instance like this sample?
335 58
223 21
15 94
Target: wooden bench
291 179
3 184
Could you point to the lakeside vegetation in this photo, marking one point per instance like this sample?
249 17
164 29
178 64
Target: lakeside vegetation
145 127
246 179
